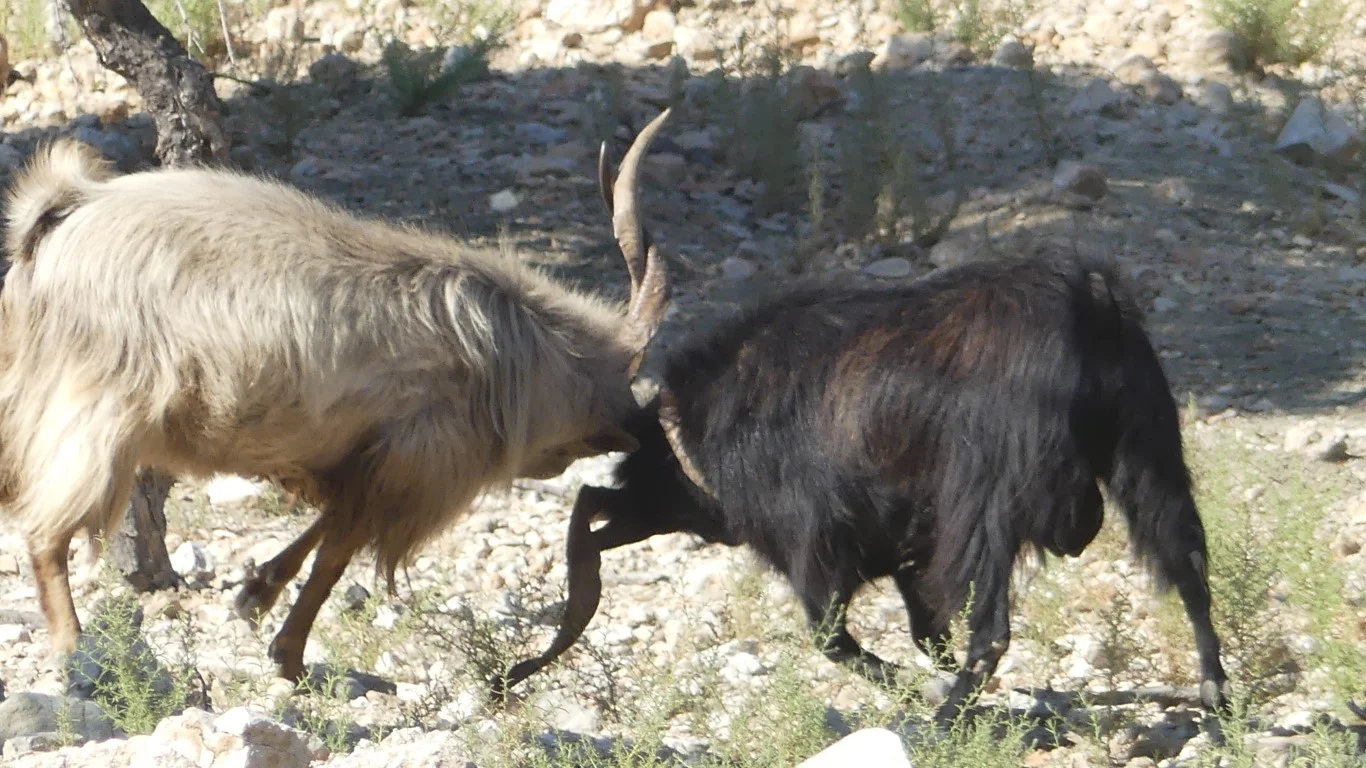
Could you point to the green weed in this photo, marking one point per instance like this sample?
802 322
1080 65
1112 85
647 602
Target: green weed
1279 31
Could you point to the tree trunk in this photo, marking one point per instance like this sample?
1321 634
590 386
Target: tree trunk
176 90
138 550
178 93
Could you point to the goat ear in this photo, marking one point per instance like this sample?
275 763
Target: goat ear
613 438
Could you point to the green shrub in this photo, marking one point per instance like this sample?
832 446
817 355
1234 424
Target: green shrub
1279 31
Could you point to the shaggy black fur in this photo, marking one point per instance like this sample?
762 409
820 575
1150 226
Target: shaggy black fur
926 431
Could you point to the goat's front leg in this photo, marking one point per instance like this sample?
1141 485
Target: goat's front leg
259 593
929 634
989 639
287 649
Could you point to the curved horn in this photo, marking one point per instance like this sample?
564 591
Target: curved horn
605 190
668 419
650 288
623 199
585 591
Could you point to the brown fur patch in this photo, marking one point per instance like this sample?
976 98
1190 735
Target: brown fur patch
965 342
845 404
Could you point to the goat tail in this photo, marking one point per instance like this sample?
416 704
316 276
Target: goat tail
58 180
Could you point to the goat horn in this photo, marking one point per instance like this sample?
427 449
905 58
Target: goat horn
585 591
668 419
605 189
650 288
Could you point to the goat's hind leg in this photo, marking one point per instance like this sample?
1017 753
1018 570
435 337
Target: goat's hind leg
51 570
260 592
334 554
1189 575
825 608
99 492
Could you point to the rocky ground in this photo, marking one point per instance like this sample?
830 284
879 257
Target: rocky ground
1237 213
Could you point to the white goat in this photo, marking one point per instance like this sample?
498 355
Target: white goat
202 321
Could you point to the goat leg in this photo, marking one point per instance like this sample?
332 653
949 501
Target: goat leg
287 648
49 560
259 593
929 634
989 639
835 641
1191 583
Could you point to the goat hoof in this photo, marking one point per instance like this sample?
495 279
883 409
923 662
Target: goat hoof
249 603
288 665
498 688
291 671
936 690
946 715
1215 695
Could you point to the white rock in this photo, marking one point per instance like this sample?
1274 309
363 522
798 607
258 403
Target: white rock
1300 720
503 201
1096 97
905 51
597 15
658 26
238 720
411 692
952 251
1078 668
1313 130
14 633
743 665
265 744
866 748
386 617
1132 69
1300 436
575 718
462 708
407 748
694 44
699 578
193 561
890 268
284 24
183 736
230 489
736 269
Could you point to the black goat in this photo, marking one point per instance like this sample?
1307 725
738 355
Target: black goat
925 431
